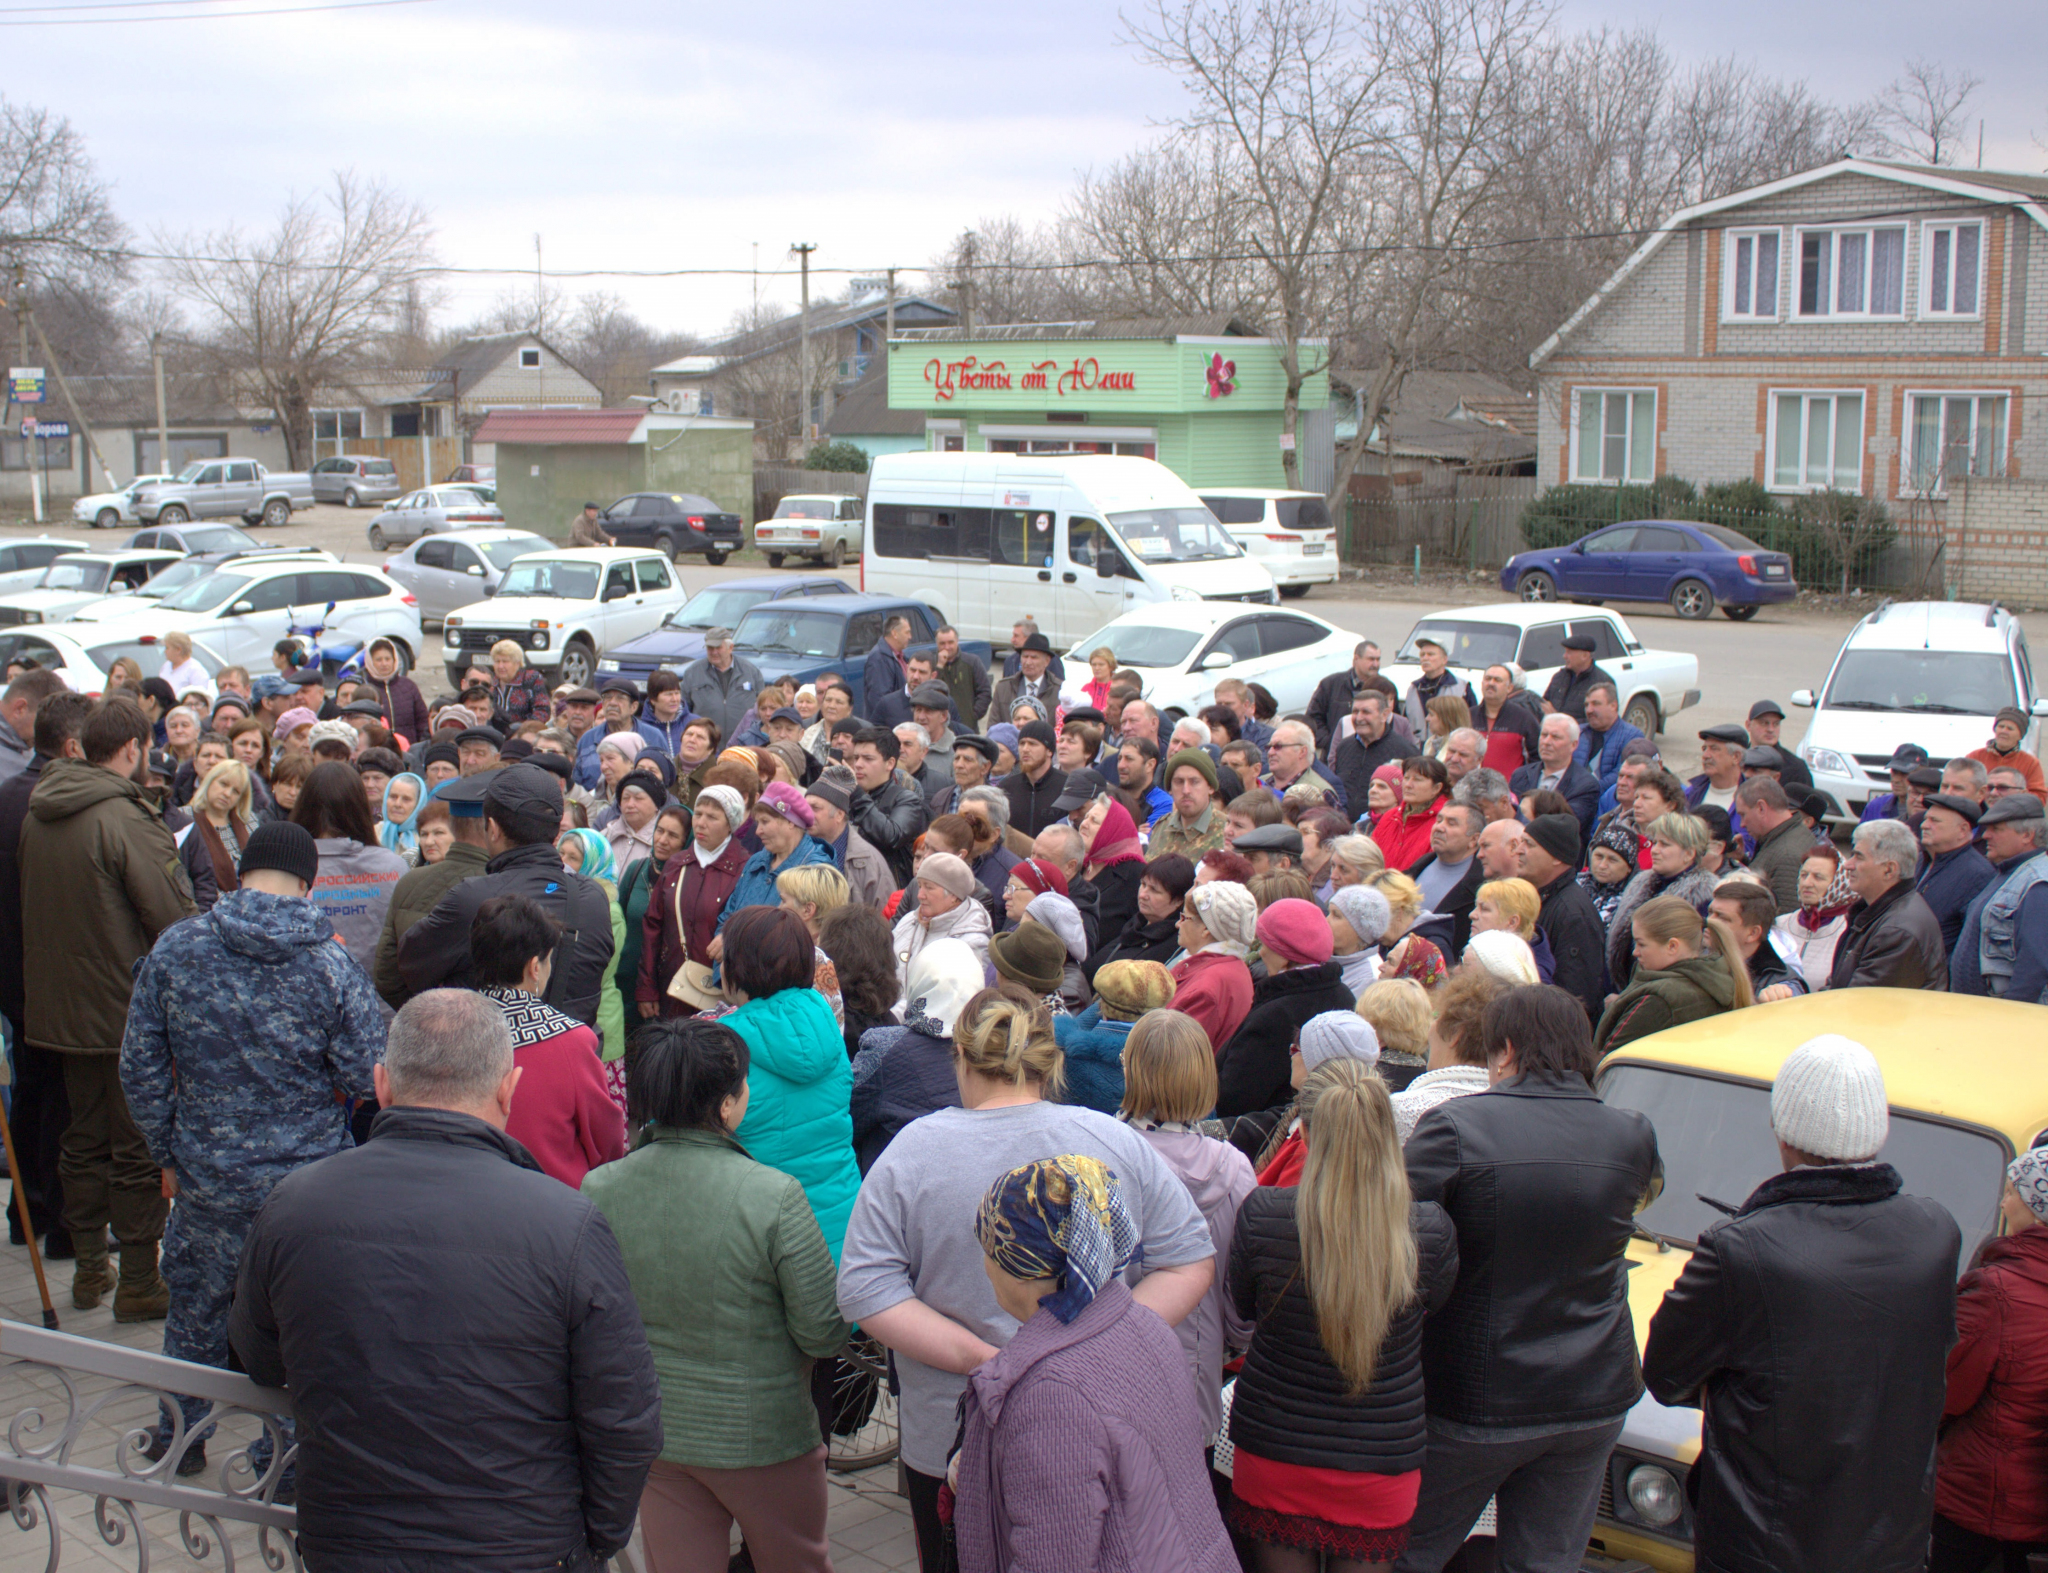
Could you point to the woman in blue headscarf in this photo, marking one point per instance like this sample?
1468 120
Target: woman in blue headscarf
398 828
587 853
1092 1388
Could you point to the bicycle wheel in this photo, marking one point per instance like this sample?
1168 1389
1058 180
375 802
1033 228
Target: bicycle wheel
864 1408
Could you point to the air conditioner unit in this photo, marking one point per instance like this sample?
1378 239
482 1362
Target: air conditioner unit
682 401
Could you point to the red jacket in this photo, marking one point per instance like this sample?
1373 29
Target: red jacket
1403 834
562 1112
1992 1474
1216 990
664 947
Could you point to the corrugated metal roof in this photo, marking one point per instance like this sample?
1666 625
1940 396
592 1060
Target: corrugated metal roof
561 427
1215 325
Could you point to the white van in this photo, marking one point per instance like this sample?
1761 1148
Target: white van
1068 540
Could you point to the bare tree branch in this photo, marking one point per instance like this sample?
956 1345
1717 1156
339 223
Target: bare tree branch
1922 115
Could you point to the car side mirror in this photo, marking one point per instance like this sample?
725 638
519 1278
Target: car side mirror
615 592
489 591
475 570
241 608
1215 660
1802 699
1105 565
2039 707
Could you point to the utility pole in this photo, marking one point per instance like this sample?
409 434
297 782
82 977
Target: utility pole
92 443
163 420
35 488
889 331
803 407
967 242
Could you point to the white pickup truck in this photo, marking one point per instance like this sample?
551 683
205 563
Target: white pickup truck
1654 685
225 489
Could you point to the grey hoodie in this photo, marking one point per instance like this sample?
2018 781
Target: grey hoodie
352 891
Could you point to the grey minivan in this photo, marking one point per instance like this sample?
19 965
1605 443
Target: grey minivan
354 478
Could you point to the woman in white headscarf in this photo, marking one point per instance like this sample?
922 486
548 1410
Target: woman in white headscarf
1211 981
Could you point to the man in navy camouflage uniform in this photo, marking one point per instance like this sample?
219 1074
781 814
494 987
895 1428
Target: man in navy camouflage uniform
249 1026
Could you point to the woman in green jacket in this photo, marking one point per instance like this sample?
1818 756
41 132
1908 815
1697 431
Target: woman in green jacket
1684 972
801 1118
737 1293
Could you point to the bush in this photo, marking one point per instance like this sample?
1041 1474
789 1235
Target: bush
1564 513
845 457
1846 534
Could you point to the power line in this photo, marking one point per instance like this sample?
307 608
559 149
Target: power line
189 16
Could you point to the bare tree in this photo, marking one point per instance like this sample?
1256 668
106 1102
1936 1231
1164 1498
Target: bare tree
56 220
1921 115
760 374
300 308
615 349
1015 269
1161 233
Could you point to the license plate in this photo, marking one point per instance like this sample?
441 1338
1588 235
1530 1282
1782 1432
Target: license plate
1774 571
1312 549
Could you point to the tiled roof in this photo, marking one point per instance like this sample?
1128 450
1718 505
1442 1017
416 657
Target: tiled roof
561 427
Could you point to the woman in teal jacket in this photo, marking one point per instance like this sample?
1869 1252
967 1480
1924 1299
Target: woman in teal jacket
799 1117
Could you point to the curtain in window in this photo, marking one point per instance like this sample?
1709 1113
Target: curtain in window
1852 251
1926 441
1642 436
1767 274
1887 272
1785 471
1848 446
1969 239
1988 455
1937 270
1816 262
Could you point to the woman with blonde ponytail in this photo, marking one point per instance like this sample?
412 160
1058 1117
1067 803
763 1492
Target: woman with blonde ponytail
1686 970
1337 1273
912 1274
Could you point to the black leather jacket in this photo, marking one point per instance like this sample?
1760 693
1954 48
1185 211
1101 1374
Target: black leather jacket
1292 1404
891 820
1543 1182
435 951
1813 1328
1894 943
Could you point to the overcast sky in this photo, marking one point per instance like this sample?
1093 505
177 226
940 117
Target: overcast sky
645 135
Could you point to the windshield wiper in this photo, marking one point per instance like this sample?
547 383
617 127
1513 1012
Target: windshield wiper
1856 704
1933 708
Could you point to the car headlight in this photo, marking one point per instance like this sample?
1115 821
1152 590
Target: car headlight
1654 1494
536 641
1182 593
1830 761
607 666
31 617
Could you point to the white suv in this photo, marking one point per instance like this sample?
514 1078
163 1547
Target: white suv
562 607
1927 672
1290 533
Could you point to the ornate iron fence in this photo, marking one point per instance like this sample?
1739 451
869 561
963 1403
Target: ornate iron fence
48 1450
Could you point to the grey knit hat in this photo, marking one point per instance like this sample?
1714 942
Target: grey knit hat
1828 1100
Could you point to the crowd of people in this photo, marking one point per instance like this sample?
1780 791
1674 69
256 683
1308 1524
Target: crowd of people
1198 1110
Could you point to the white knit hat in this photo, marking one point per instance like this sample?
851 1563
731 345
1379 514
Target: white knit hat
1228 912
1338 1035
1828 1100
1507 956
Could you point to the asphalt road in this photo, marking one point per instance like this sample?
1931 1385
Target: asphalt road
1783 648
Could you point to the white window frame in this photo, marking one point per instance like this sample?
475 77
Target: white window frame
1733 275
1929 229
1807 396
1836 231
1577 393
1907 411
529 365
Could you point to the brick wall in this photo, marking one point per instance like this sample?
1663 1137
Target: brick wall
1997 546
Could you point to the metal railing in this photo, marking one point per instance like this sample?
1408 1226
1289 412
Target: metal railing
44 1450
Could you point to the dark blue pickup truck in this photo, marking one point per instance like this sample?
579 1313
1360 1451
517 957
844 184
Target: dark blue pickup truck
802 636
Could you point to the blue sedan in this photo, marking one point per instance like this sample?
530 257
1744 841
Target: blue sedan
680 638
1691 567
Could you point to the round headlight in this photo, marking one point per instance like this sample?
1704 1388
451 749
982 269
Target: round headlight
1182 593
1655 1495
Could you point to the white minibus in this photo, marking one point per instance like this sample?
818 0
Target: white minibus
1067 540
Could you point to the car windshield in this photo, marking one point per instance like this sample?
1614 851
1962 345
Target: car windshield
720 608
786 628
572 581
1173 535
1927 682
215 538
1139 644
205 595
1303 513
174 579
379 467
1238 510
191 471
1714 1137
1468 644
61 575
502 554
147 654
1734 540
803 508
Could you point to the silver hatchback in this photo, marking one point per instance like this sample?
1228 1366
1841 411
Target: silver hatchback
445 572
352 479
430 511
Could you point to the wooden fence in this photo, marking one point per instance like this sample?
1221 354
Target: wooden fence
773 482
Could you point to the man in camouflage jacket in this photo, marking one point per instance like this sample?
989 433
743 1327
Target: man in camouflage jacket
249 1027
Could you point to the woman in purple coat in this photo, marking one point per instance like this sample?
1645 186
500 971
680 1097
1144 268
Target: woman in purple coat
1082 1446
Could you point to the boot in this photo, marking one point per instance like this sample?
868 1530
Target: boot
90 1279
142 1295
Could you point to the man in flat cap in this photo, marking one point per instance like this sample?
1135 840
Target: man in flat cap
1271 848
1954 872
586 529
522 816
2003 947
1566 690
1766 723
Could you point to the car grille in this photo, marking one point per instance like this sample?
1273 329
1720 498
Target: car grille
10 616
1606 1507
1261 597
484 638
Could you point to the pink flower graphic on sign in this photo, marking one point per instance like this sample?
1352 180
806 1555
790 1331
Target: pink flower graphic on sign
1222 376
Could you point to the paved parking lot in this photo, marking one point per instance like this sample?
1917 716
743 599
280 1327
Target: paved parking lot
1784 648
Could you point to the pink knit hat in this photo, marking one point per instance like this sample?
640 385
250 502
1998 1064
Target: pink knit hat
780 798
1296 932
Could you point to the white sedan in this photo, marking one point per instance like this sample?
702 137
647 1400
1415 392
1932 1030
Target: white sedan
1184 648
1653 685
83 653
107 510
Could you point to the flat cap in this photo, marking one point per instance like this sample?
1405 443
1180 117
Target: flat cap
1086 713
480 734
1580 642
1270 838
1969 808
1925 777
575 696
304 676
975 743
465 795
933 695
2014 805
1727 732
368 707
621 685
1762 757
